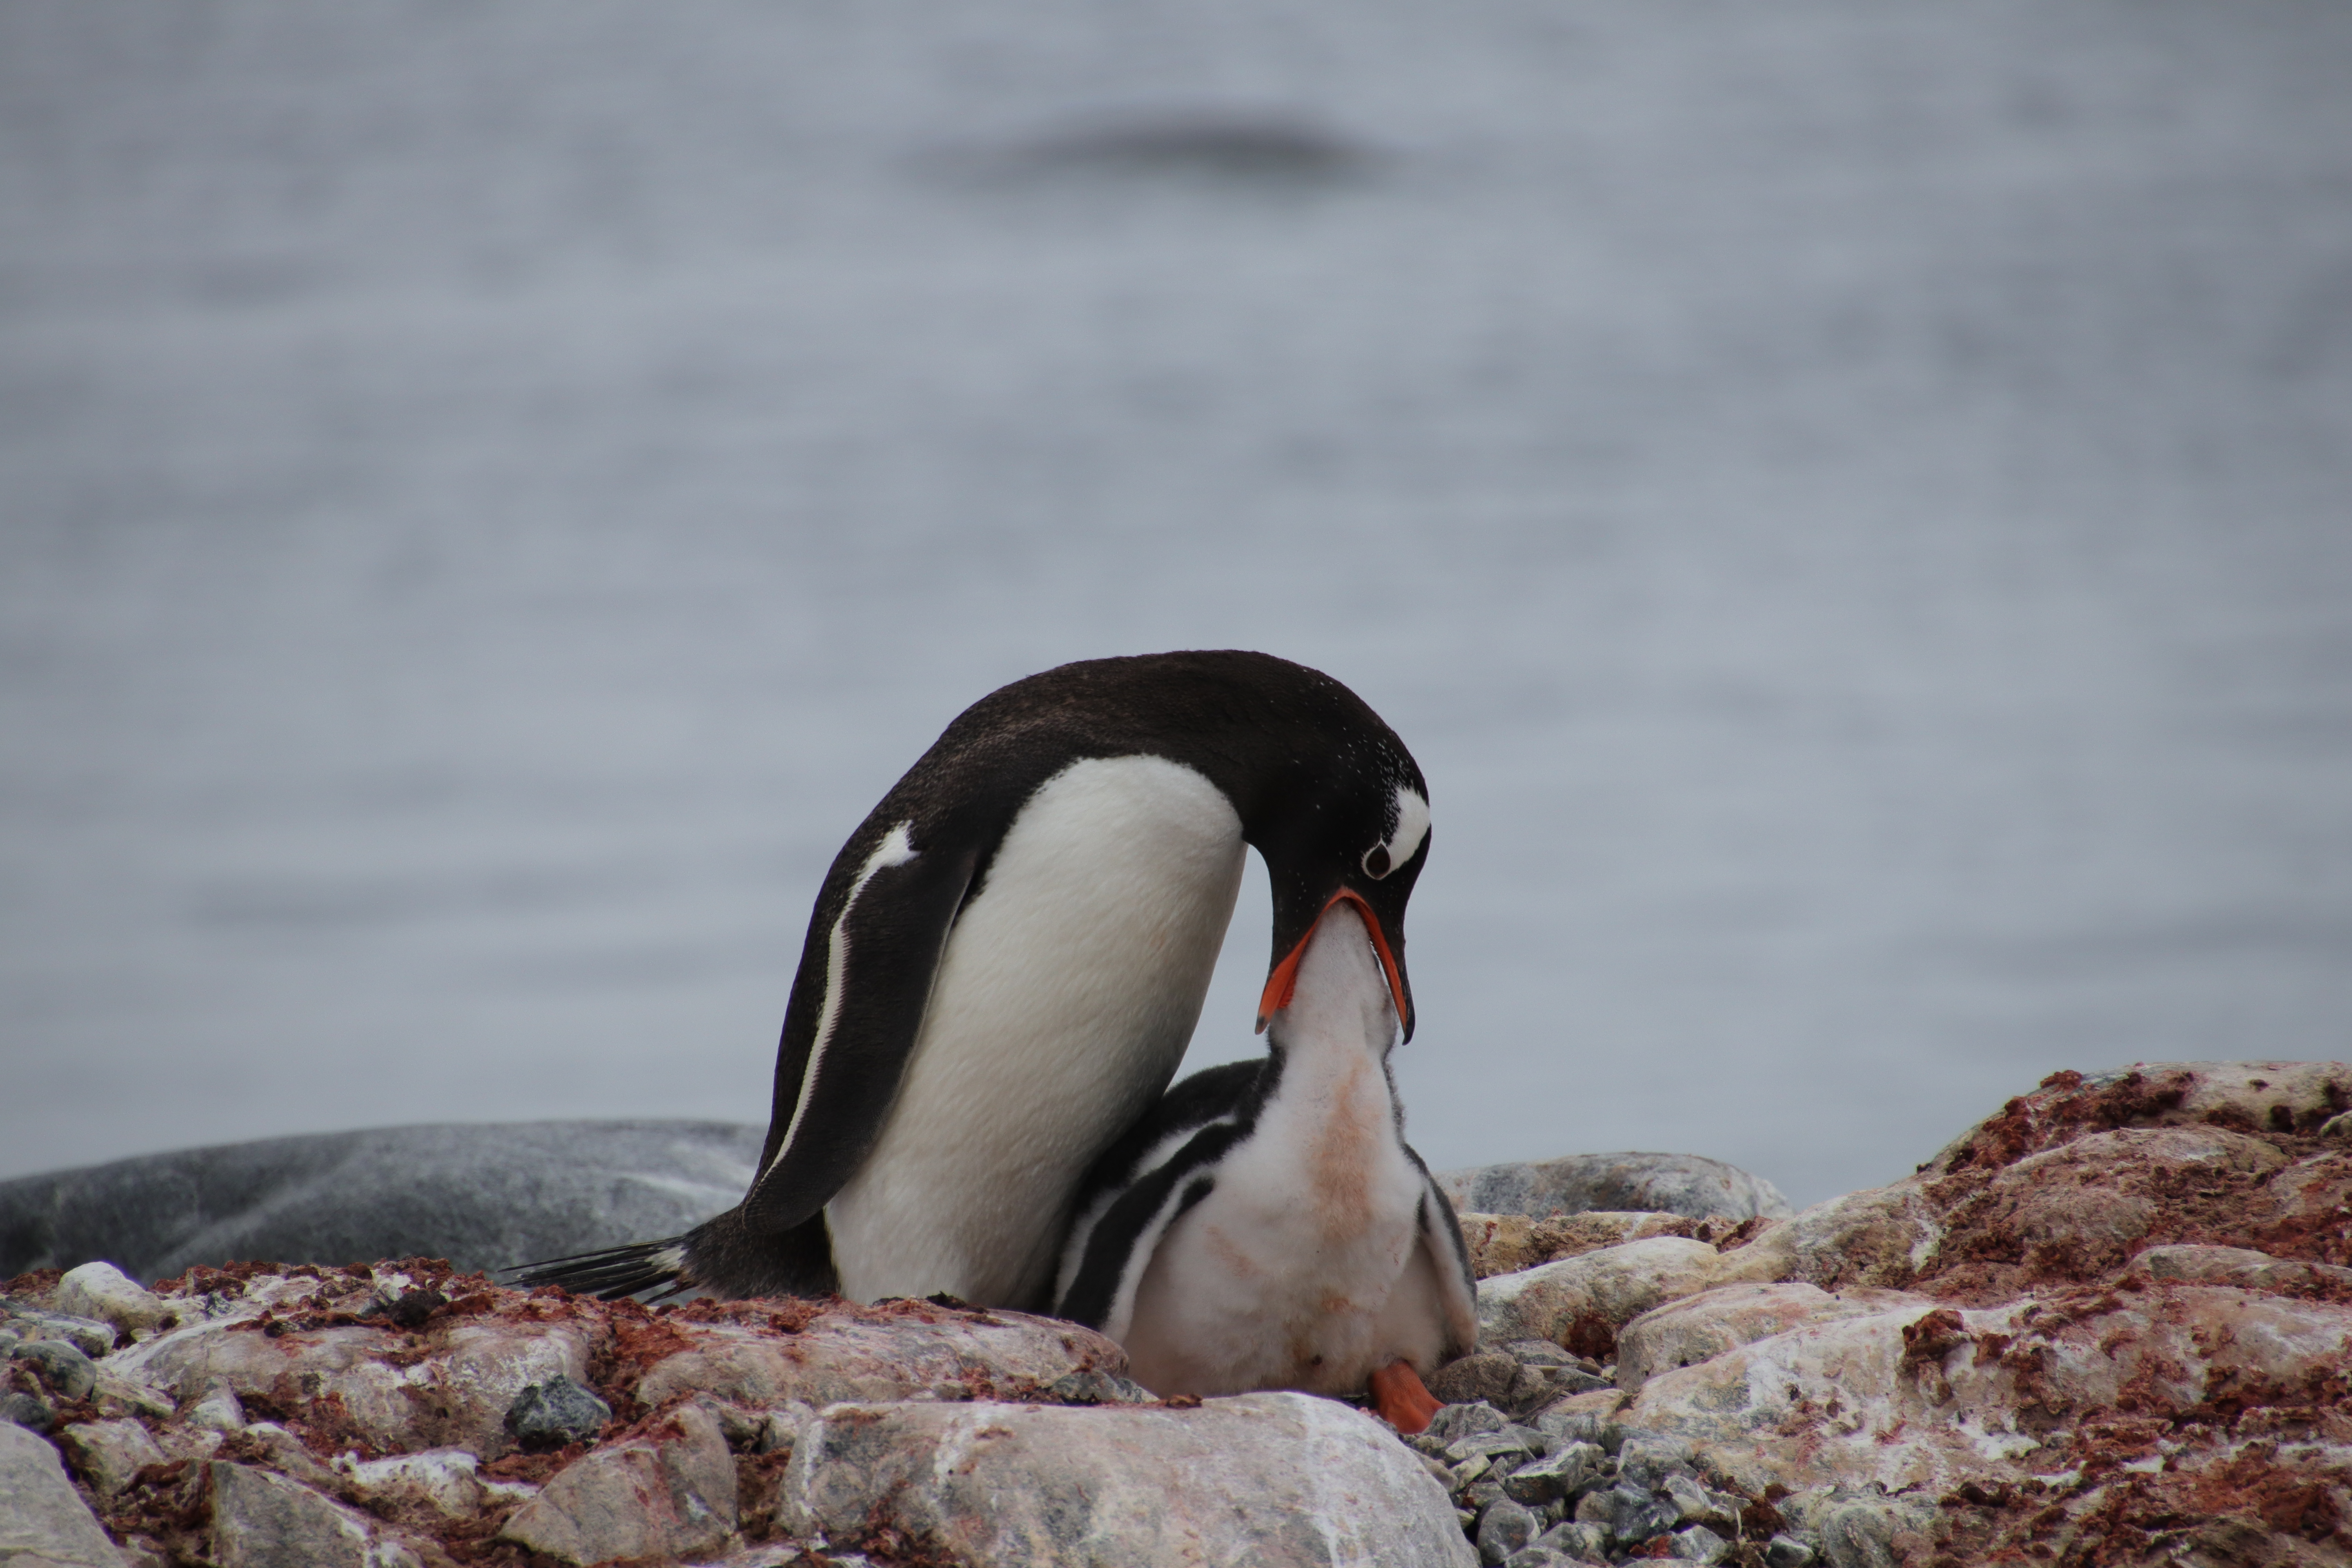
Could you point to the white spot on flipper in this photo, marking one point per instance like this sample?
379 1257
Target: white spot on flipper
897 847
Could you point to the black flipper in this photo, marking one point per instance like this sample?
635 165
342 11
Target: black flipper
1441 1233
847 1037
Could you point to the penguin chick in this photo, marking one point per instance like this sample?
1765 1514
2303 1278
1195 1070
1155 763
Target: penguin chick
1267 1227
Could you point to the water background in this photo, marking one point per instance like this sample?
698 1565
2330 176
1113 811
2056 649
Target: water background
1851 505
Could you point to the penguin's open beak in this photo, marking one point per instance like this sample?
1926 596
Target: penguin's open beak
1284 979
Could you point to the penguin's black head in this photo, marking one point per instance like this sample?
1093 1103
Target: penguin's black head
1356 830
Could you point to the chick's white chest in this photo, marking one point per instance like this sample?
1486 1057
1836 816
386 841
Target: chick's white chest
1282 1274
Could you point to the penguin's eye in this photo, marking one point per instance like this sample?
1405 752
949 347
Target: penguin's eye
1404 841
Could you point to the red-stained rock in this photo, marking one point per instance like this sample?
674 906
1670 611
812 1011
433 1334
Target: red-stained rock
668 1495
2111 1324
848 1354
1702 1327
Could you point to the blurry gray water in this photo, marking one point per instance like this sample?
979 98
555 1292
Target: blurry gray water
1848 503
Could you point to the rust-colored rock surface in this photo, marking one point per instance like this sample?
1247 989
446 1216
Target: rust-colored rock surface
2111 1324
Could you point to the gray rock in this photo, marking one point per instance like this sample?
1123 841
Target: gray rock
1699 1544
1690 1500
1509 1440
1567 1470
1283 1480
1091 1386
103 1292
1649 1460
1504 1528
670 1497
217 1409
1489 1377
27 1411
1688 1185
484 1196
1457 1421
1787 1551
45 1523
264 1521
1578 1543
559 1411
1534 1555
1860 1535
109 1454
1581 1426
1630 1513
60 1366
87 1335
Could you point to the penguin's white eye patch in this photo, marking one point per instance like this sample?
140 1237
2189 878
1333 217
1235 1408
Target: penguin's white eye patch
1402 843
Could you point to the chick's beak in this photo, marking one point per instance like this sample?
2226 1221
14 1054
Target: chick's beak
1283 977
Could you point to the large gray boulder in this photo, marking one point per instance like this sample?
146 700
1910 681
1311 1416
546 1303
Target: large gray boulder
483 1196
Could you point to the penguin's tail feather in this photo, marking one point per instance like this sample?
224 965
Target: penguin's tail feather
720 1256
614 1272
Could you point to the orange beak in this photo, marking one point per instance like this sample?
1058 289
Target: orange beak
1285 978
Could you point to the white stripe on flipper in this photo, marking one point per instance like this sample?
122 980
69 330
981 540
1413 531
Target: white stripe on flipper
897 847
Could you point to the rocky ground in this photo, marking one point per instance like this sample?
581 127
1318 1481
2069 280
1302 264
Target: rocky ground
2111 1324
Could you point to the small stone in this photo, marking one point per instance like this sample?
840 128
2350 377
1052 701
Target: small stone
45 1523
410 1309
1537 1352
1579 1542
1630 1513
66 1372
26 1411
1491 1375
1090 1385
557 1412
1860 1535
445 1480
104 1293
1688 1497
1560 1475
218 1409
1648 1461
286 1454
1504 1528
1787 1551
1698 1545
1536 1556
110 1453
1575 1426
1457 1421
1510 1441
2337 1127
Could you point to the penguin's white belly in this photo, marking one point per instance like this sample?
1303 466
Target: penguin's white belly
1303 1267
1065 999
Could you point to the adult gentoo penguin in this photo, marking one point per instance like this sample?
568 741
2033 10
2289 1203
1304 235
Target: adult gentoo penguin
1268 1225
1008 957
